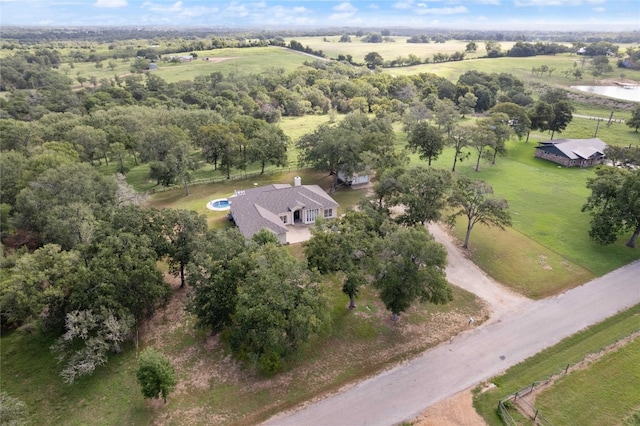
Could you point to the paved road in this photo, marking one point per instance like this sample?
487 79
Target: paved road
402 393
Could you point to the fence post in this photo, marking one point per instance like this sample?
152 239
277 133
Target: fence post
532 386
566 369
515 396
536 415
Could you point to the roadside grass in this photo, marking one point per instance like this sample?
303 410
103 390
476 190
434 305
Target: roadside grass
521 263
553 360
604 393
213 387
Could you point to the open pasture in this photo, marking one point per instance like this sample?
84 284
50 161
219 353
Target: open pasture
331 46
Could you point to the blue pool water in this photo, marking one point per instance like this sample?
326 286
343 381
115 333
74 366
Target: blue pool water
219 204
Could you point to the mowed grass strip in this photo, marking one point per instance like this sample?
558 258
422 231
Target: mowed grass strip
553 360
602 394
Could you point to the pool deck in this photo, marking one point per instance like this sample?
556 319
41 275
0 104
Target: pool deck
298 233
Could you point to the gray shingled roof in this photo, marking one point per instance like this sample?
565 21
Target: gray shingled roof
578 148
257 208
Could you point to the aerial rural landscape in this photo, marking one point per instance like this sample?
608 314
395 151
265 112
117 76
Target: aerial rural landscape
423 219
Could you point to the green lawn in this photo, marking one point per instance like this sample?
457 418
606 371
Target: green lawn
553 360
603 394
548 249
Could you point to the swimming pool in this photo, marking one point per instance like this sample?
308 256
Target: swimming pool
219 205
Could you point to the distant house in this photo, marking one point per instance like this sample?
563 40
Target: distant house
572 152
358 178
277 207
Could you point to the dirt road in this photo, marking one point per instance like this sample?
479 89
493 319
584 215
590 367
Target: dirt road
517 329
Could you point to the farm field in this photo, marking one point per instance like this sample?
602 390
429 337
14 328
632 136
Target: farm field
331 47
240 62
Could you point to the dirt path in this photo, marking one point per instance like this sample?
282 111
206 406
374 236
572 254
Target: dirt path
463 273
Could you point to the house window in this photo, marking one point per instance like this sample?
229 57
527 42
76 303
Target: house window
328 212
311 215
284 219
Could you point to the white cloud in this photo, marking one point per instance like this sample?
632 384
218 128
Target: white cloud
345 7
111 3
599 9
403 4
155 7
489 2
237 9
423 9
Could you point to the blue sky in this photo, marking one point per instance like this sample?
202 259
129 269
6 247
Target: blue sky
506 15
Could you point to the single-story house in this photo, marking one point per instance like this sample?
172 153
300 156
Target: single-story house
277 207
572 152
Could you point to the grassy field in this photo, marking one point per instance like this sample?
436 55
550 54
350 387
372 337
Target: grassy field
332 48
239 62
549 238
612 381
553 360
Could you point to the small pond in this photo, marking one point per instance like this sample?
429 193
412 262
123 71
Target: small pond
631 93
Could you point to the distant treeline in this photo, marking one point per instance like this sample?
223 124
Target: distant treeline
37 35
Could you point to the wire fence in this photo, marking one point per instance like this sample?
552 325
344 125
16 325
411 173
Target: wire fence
518 401
220 179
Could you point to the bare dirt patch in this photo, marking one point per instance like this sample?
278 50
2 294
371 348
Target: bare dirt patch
454 411
216 60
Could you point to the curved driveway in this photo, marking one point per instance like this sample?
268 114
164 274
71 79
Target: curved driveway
511 336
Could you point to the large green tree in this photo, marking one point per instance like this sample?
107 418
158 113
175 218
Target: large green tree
185 231
214 276
345 244
61 204
410 267
423 195
614 205
269 145
156 375
474 200
426 140
518 118
280 305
